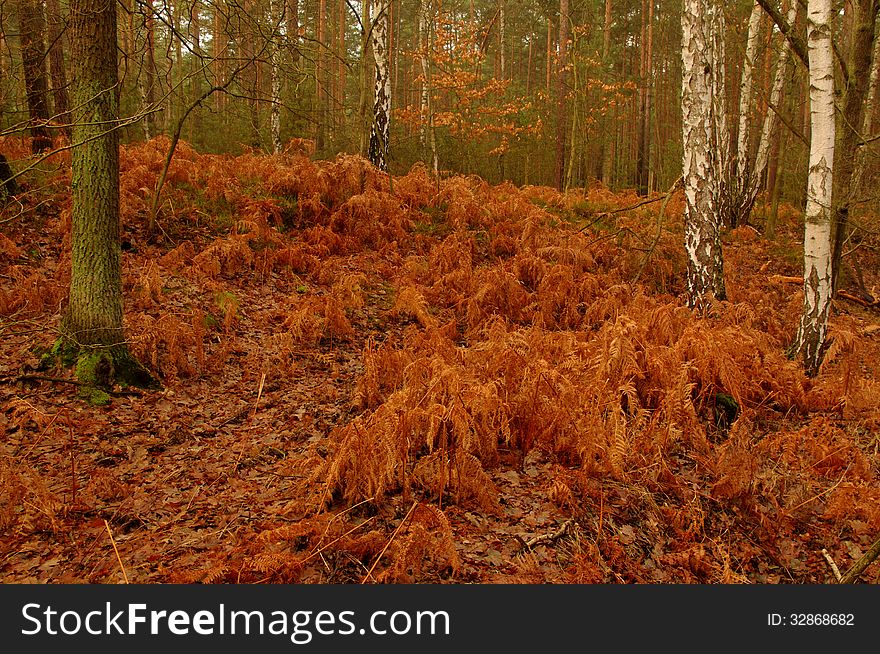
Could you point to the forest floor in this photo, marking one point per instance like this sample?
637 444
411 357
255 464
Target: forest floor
374 380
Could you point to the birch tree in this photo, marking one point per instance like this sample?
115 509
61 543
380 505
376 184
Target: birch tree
276 12
817 218
771 120
380 129
702 160
741 200
427 132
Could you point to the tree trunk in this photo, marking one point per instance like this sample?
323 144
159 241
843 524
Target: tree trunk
644 119
148 90
219 43
561 92
380 129
742 200
92 324
292 18
604 159
817 218
701 165
33 26
851 119
427 131
277 18
770 126
57 68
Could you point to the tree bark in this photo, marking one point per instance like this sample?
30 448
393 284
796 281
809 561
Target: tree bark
644 118
742 199
92 323
817 218
380 129
701 165
851 120
561 93
148 90
32 25
277 17
58 71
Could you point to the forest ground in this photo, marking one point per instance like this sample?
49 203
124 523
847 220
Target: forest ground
374 380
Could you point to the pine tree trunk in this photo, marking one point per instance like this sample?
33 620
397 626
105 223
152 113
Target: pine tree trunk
701 165
57 68
644 117
380 129
561 93
92 323
817 218
149 85
32 27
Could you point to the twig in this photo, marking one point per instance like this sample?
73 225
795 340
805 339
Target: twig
390 540
549 538
604 214
118 558
859 566
824 492
659 228
857 299
832 564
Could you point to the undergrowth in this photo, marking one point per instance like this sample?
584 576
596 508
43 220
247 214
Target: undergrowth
492 326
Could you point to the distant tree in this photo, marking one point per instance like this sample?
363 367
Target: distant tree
92 324
32 25
561 95
57 67
380 130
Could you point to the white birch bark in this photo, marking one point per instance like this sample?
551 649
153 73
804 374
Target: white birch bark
277 18
817 218
701 162
742 187
380 129
771 120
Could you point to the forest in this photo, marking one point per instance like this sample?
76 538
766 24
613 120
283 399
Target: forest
439 291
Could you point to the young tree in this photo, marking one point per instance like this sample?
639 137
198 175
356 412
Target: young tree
380 130
561 93
817 218
856 82
57 68
92 325
701 165
33 54
741 200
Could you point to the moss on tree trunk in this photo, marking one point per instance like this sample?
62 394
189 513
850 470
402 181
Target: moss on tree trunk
92 326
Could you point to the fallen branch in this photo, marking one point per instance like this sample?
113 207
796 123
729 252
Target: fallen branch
605 214
859 566
547 538
785 279
831 564
857 299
